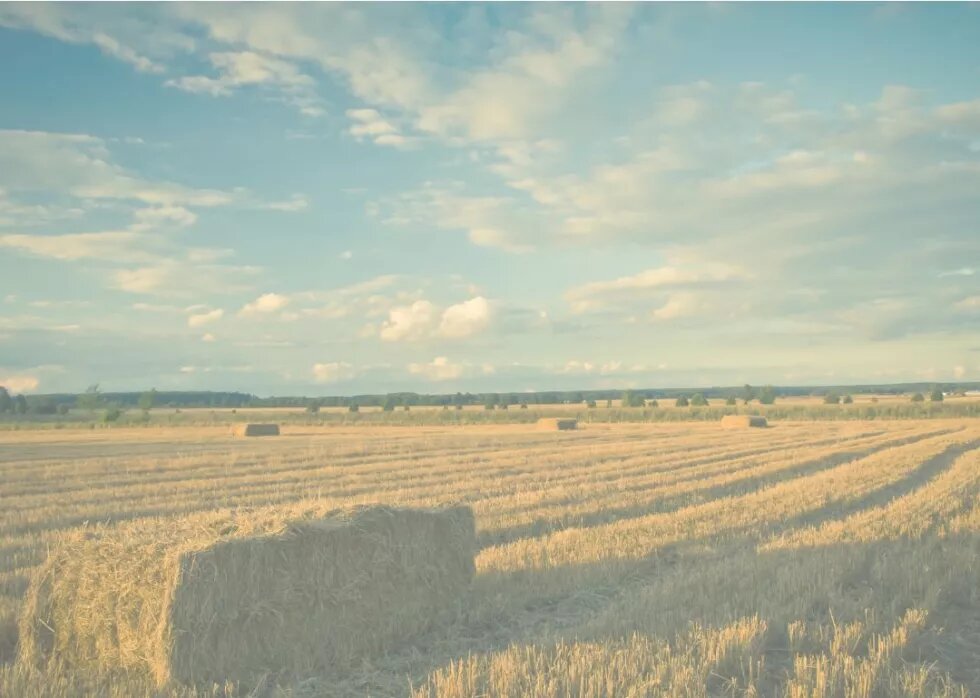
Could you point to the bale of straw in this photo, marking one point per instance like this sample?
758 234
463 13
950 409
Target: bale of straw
741 421
231 597
557 423
256 430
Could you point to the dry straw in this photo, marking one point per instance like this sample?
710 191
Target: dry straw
557 424
740 421
232 597
256 430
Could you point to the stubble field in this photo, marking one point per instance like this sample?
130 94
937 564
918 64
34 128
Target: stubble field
807 559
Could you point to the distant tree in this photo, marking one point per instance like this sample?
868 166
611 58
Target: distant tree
389 404
353 407
147 400
313 407
730 400
112 415
748 393
767 395
405 408
523 405
608 403
918 398
590 404
632 399
62 408
459 407
652 403
6 402
831 399
44 405
682 401
490 404
698 400
90 400
848 400
20 404
936 395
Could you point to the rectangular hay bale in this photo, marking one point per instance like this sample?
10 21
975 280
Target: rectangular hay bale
741 421
557 423
256 430
217 598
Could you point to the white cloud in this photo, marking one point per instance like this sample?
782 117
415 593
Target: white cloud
333 372
968 303
678 305
297 202
19 383
465 319
439 369
208 337
162 216
62 23
532 80
409 322
265 304
183 278
113 246
237 69
654 283
82 166
369 124
200 319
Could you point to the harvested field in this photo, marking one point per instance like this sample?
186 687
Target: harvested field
818 558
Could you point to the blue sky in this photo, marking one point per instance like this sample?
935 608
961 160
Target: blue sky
335 199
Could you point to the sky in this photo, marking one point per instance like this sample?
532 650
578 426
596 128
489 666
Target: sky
323 199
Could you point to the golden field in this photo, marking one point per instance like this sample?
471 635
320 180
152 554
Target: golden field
675 559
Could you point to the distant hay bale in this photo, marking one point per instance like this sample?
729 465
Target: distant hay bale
740 421
557 424
231 597
256 430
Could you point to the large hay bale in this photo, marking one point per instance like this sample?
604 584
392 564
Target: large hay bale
218 598
741 421
256 430
557 423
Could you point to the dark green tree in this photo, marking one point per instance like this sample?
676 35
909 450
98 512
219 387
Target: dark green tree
831 399
730 400
147 400
20 404
6 402
936 395
632 399
698 400
682 401
748 393
90 400
918 398
767 395
848 400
